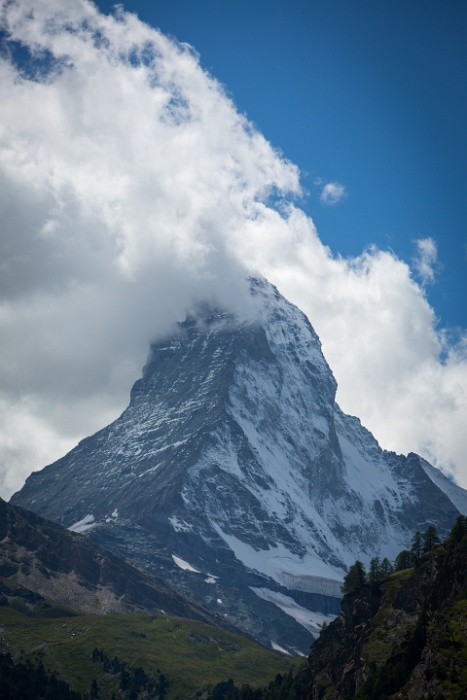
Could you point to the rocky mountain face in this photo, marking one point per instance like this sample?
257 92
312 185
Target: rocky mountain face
405 638
234 475
42 563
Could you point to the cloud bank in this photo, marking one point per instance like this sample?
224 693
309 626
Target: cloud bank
130 187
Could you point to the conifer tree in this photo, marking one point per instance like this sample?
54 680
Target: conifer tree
459 529
374 574
386 568
403 560
355 578
416 548
430 539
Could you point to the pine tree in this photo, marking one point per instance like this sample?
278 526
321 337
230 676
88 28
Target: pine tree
374 574
355 578
416 548
386 568
94 689
430 539
403 560
459 529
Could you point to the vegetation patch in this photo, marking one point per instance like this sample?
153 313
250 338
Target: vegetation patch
191 657
392 676
451 633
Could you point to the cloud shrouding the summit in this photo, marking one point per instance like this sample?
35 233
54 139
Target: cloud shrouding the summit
130 187
124 171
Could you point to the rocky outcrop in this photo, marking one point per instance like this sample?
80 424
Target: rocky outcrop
405 638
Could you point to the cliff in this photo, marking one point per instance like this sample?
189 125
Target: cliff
405 638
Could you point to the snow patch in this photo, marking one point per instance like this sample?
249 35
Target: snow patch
276 647
310 620
84 524
182 564
112 518
180 525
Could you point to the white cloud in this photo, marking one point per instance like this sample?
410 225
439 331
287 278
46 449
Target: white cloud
332 193
129 187
124 170
426 259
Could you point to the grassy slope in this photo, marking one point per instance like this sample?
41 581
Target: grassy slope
191 655
381 643
447 636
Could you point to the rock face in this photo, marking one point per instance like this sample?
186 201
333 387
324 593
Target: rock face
405 638
234 475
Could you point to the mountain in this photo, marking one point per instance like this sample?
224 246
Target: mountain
406 637
234 475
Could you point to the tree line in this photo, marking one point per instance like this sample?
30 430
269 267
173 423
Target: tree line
281 688
23 681
422 544
133 682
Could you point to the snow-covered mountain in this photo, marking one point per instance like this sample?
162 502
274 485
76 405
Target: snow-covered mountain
234 474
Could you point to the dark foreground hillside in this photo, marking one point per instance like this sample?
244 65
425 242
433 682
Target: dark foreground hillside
78 622
41 561
404 638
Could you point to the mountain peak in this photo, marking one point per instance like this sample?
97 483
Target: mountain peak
234 458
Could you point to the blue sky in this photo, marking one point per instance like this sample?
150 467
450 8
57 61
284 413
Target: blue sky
131 184
372 95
